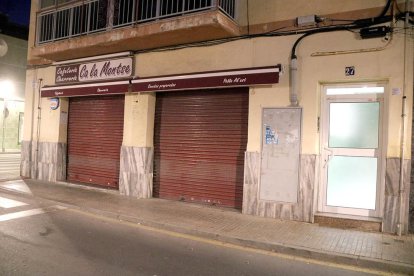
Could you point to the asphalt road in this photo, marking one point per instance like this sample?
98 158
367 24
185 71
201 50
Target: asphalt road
40 238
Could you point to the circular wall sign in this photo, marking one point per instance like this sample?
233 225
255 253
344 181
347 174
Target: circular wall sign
54 103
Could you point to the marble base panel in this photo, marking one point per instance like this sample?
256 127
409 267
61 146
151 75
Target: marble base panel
48 162
411 207
301 211
26 159
391 199
136 172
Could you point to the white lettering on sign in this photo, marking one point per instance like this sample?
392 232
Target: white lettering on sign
168 85
153 86
239 80
58 93
109 69
66 79
161 86
102 90
235 80
67 74
67 70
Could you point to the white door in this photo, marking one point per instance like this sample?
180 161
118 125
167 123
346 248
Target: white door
351 162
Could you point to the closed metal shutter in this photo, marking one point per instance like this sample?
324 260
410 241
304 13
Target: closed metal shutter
199 143
95 134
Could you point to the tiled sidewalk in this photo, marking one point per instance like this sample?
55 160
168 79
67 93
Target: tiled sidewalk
9 166
375 250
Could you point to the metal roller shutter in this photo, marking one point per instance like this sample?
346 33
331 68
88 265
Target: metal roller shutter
200 139
95 134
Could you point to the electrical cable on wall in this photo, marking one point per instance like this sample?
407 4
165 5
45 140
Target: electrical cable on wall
350 24
248 18
357 24
364 24
39 118
387 32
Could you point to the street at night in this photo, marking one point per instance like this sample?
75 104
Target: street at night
201 137
49 239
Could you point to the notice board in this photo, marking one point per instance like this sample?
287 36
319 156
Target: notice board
280 156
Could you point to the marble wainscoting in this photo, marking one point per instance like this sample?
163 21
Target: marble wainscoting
411 204
26 164
252 205
136 171
48 162
391 204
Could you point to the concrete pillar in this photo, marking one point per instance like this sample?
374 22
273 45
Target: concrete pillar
136 171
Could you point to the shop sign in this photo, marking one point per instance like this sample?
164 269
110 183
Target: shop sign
86 89
202 80
94 71
216 79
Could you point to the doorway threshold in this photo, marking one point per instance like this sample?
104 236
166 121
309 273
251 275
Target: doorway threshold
369 224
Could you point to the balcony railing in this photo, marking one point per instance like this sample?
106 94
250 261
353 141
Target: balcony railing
99 15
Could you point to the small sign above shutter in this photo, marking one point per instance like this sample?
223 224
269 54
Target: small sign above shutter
203 80
99 88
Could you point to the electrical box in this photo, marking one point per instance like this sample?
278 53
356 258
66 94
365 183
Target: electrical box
306 21
373 32
281 140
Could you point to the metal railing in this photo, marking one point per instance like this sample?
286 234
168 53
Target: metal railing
228 7
86 17
82 18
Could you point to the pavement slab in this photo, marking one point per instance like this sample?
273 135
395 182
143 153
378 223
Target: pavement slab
9 166
365 249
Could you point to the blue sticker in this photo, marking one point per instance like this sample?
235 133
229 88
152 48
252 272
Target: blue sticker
271 136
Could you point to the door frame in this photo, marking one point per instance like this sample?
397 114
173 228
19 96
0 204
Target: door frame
323 135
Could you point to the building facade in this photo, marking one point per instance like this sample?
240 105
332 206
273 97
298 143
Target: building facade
281 109
13 58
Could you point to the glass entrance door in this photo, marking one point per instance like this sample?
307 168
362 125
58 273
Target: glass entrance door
11 125
351 151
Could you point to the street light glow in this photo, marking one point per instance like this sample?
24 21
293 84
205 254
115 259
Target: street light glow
7 89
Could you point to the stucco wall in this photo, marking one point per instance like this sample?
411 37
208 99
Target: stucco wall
52 122
386 66
139 120
263 11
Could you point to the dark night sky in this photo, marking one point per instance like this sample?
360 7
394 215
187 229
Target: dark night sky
17 10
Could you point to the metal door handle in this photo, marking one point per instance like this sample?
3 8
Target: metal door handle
330 155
